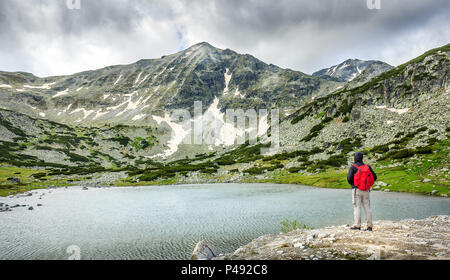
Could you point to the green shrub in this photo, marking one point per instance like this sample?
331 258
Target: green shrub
255 171
381 149
225 160
400 134
424 150
148 177
294 169
333 161
424 128
123 140
303 159
288 226
301 117
315 130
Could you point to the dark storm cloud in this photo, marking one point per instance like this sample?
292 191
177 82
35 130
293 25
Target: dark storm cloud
45 37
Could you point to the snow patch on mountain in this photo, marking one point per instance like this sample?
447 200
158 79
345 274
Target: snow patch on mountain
139 117
398 111
118 80
86 113
61 93
44 86
228 77
137 79
178 134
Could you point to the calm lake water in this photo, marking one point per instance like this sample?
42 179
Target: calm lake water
166 222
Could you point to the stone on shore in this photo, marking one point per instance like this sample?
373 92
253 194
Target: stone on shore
203 251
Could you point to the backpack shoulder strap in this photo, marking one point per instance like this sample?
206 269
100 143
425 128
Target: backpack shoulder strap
357 167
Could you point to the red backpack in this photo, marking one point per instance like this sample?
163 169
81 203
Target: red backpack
363 178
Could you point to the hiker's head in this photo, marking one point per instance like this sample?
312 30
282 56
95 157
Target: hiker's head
358 157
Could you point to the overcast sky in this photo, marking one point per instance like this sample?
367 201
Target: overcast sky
46 38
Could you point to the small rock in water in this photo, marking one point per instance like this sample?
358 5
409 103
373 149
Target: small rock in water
30 208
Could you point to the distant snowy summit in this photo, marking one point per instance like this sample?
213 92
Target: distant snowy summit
350 69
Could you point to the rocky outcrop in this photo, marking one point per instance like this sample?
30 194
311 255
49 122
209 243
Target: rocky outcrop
407 239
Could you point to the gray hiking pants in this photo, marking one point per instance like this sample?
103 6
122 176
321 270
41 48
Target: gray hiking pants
361 198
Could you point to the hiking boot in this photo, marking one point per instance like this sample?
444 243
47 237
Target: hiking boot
369 229
355 228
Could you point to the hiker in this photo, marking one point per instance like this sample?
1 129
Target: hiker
361 177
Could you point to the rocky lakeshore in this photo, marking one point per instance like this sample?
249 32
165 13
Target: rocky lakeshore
427 239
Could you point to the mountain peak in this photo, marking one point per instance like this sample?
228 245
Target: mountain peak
202 45
350 69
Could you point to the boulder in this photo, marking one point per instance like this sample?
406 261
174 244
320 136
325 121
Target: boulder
381 184
15 180
355 115
202 251
300 245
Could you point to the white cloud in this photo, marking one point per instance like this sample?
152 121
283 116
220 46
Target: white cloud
46 38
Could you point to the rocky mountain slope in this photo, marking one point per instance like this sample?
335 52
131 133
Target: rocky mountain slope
399 117
352 68
131 94
383 110
396 118
27 141
146 92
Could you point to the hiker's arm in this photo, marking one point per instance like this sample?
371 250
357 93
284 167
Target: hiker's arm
350 176
373 173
